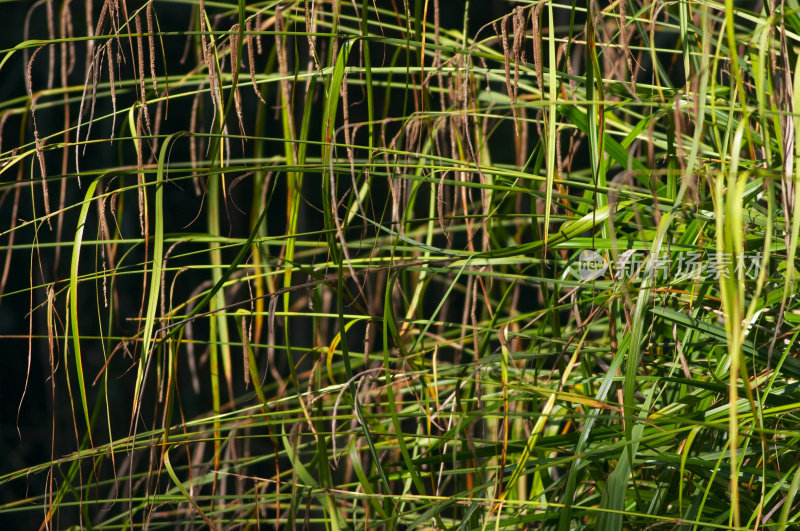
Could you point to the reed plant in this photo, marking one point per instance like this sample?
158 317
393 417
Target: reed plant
401 264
